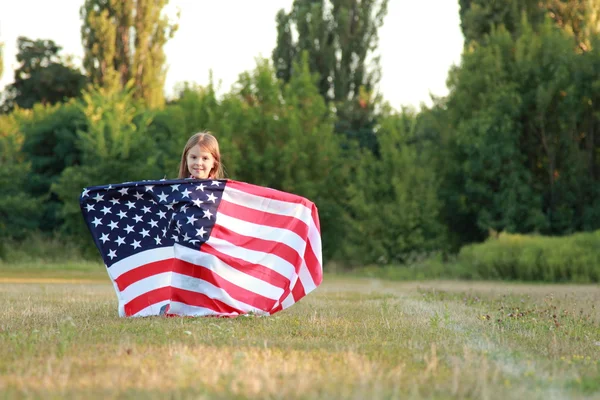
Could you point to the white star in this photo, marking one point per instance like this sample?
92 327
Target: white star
129 229
191 220
152 201
122 214
194 241
146 209
89 207
113 225
157 240
175 188
200 187
185 193
138 218
197 202
149 188
106 210
215 183
211 197
112 254
207 214
163 197
200 232
108 188
162 214
164 232
130 205
185 237
136 244
183 209
153 223
115 201
120 240
138 196
85 192
98 197
104 237
144 233
170 206
97 221
175 238
123 191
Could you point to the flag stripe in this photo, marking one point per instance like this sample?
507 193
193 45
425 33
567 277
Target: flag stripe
267 259
240 286
263 218
253 269
146 299
313 265
274 248
142 258
267 204
275 196
260 232
142 272
201 300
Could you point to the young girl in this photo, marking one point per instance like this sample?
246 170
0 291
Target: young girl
201 158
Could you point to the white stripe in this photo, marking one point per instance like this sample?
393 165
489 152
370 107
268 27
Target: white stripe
154 309
145 285
265 204
263 232
287 302
142 258
314 237
198 285
227 272
306 279
271 261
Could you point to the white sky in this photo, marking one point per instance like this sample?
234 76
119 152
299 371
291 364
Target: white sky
419 41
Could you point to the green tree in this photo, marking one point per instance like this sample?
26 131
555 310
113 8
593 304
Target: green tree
393 204
338 36
123 41
43 76
19 211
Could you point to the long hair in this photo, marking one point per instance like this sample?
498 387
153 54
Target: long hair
209 144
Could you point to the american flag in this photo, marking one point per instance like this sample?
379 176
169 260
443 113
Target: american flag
204 247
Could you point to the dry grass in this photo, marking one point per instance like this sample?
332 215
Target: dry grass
352 339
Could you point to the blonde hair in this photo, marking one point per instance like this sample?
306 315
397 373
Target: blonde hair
209 144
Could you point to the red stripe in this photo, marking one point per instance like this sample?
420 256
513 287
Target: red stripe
298 291
313 265
266 246
234 291
256 270
277 195
143 271
147 299
268 193
264 218
191 298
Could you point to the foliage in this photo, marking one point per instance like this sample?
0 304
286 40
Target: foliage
42 76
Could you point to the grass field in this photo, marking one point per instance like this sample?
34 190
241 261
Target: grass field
354 338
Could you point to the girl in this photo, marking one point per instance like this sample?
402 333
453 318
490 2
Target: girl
201 158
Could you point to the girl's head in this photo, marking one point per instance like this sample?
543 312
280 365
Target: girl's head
201 158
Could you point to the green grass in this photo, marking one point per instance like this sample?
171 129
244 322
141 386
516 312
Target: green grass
354 338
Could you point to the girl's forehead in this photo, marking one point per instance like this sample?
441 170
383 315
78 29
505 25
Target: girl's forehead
197 149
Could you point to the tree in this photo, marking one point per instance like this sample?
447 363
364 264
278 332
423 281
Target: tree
123 40
42 77
579 18
338 37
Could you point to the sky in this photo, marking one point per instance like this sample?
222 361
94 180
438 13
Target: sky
418 43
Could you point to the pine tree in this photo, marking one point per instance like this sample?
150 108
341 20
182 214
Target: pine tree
123 42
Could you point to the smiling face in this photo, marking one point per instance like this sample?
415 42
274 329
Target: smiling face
200 163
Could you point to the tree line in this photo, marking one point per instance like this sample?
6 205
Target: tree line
514 146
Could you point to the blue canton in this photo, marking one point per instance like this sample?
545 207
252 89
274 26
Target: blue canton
132 217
